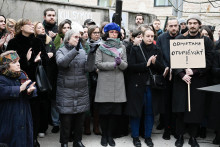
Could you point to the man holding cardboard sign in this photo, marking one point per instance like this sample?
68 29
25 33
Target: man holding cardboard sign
191 61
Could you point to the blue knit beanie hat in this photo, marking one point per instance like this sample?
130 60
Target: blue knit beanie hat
112 26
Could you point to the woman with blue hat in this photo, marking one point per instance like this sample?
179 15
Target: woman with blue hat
111 60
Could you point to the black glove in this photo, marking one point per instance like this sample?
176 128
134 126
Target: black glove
78 45
93 49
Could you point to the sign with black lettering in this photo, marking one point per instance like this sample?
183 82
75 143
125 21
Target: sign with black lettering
187 53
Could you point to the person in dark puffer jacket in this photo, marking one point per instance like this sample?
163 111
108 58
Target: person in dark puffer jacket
72 95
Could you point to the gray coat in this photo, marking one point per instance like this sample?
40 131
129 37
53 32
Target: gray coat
72 86
110 84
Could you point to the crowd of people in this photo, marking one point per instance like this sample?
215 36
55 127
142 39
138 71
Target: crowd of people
103 74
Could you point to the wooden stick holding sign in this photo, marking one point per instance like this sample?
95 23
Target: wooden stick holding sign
189 105
187 53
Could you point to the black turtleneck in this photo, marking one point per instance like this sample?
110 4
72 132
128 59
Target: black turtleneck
42 37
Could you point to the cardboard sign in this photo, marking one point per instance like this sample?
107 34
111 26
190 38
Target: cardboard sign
187 53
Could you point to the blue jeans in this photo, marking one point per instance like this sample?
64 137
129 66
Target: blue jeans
148 117
54 114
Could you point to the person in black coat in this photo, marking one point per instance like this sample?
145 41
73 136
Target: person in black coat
139 92
196 77
31 50
163 42
214 117
51 70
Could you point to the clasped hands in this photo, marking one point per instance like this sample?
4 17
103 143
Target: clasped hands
187 78
152 60
24 86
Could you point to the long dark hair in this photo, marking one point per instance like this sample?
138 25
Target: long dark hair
208 30
66 21
3 31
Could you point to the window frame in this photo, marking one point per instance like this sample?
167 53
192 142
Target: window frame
155 1
98 1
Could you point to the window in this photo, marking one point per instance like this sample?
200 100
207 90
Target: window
106 3
162 3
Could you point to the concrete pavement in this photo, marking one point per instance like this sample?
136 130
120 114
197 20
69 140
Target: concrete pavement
52 140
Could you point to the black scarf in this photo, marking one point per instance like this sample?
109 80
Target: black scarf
48 25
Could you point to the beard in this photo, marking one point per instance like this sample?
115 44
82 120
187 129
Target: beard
193 30
173 33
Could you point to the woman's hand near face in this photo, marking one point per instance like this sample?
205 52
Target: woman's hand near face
50 55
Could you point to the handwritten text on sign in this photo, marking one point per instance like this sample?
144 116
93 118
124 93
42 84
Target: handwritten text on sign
187 53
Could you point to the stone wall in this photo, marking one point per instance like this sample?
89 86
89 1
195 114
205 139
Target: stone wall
33 10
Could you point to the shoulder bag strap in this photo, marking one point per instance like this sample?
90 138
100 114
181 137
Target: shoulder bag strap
145 59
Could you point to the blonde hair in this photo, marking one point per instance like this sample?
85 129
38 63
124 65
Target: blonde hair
48 38
8 21
19 24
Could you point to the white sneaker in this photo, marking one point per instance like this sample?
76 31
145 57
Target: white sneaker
41 135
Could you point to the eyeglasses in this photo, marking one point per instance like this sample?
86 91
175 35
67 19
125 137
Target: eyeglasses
96 33
115 32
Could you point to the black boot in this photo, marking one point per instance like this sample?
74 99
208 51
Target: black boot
217 138
149 142
110 128
104 126
111 141
193 142
78 144
179 142
64 144
36 143
166 134
104 141
136 142
216 141
202 132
